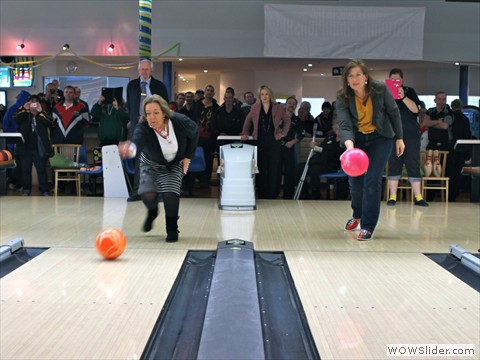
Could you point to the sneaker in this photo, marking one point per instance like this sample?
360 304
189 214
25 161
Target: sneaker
365 235
352 224
391 202
421 203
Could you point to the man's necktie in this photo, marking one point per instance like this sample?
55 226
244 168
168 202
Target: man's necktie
143 95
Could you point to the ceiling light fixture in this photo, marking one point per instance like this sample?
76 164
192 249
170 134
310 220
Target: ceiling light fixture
20 46
305 69
457 63
111 47
205 71
310 65
65 47
180 59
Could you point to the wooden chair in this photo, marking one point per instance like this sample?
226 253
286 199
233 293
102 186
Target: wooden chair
403 184
432 182
71 152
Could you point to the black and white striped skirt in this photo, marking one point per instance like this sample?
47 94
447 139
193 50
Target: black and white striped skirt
159 178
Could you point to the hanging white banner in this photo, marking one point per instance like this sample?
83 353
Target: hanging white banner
337 32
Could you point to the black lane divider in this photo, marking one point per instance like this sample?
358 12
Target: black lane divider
454 266
286 332
18 258
181 331
176 334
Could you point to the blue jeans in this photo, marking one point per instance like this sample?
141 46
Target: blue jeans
366 190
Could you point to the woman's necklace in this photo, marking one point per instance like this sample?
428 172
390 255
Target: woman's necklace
266 120
164 133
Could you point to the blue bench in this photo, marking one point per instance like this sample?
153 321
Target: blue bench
332 179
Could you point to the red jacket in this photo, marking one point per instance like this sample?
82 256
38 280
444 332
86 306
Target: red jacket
281 121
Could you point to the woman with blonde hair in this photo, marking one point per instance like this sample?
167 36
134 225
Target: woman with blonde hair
166 141
370 120
268 123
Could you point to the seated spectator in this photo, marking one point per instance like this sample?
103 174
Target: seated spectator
326 159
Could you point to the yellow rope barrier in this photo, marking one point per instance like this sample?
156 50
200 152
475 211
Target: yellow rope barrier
41 61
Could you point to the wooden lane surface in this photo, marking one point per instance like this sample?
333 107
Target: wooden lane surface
70 304
357 303
359 296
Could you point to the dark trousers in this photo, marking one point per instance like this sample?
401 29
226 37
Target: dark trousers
411 159
32 158
269 166
288 167
366 190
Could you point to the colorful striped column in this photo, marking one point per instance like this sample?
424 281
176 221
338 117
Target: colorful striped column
145 29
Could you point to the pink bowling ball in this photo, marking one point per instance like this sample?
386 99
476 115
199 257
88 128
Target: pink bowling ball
355 162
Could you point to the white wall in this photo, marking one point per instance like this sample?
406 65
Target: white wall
204 28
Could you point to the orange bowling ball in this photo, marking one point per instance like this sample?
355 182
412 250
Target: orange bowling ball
110 243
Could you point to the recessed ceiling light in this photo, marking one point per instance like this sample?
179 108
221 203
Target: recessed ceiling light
305 69
457 63
322 74
180 59
205 71
310 65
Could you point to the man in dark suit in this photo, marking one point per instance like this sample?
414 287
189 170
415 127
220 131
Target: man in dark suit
137 90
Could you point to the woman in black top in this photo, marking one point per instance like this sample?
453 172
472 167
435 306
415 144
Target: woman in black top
166 141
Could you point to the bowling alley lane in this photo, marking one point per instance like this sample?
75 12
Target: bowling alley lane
357 303
71 304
